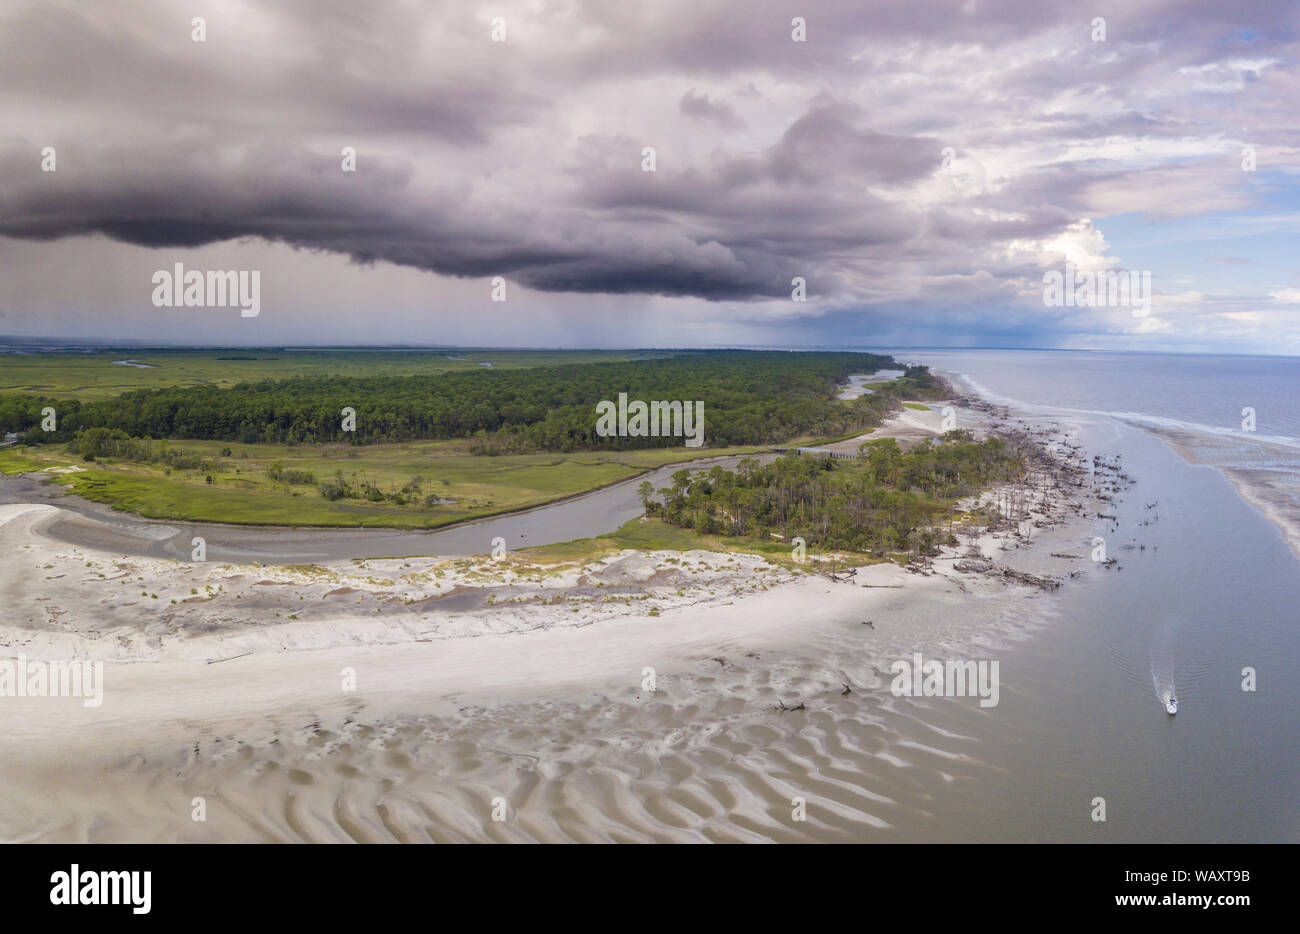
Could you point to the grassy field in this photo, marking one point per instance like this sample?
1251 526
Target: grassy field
647 534
102 376
242 492
817 442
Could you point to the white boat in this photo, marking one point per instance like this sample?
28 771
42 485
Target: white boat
1171 705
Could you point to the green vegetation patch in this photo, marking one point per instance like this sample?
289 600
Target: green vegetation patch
244 489
886 502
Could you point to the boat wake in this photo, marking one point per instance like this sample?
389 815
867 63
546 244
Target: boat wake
1162 666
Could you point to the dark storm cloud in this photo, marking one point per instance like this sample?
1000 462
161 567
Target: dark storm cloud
821 159
340 77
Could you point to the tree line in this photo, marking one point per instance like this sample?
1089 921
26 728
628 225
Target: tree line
886 500
751 397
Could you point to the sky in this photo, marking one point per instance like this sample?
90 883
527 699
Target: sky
914 169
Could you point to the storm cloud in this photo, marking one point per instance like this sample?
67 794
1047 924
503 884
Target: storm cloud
903 158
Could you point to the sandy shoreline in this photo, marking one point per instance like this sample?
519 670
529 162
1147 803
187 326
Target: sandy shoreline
1273 493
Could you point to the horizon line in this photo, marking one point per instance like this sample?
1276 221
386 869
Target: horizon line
84 345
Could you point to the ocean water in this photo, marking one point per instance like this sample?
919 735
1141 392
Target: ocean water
1207 597
1204 392
1206 399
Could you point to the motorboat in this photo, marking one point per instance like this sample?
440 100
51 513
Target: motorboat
1171 705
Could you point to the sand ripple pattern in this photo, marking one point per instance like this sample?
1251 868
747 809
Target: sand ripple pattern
709 758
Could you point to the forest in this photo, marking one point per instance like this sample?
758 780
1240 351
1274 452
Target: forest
888 499
750 397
